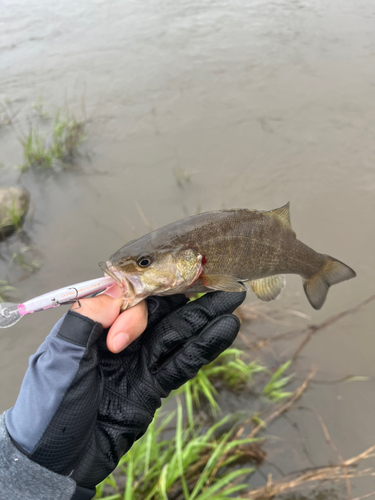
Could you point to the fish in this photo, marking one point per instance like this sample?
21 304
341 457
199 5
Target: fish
226 250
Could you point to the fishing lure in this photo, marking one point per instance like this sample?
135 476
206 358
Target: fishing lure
11 313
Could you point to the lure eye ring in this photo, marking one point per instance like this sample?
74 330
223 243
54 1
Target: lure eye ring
144 261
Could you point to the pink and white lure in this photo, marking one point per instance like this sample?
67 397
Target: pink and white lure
11 313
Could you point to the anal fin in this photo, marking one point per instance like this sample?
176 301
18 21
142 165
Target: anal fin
268 288
221 282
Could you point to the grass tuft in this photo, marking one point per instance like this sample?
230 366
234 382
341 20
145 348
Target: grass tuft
195 462
35 152
5 288
21 257
63 144
7 114
38 107
274 389
67 136
181 467
15 216
228 370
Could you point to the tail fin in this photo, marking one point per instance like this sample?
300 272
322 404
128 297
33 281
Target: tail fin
332 272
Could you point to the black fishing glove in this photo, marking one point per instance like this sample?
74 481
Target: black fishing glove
81 407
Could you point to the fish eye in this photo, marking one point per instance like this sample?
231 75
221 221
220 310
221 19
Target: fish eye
144 261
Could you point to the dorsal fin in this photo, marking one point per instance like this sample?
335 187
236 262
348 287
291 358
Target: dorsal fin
282 214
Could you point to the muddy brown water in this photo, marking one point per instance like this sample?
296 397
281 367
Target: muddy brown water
259 102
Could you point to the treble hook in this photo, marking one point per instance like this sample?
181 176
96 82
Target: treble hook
79 305
57 303
75 299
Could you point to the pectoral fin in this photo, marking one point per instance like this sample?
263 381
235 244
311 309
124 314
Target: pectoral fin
268 288
221 282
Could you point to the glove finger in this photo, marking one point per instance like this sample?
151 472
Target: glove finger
159 307
197 314
220 302
199 351
188 321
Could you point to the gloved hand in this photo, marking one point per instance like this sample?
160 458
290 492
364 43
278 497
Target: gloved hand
83 411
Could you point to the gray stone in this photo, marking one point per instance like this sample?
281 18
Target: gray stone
14 203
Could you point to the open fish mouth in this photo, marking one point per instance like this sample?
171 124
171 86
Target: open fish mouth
131 284
110 271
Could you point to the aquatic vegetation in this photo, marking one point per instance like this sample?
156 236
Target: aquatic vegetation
15 216
60 148
186 466
177 460
7 113
67 135
228 369
38 107
5 288
21 258
35 151
195 462
274 388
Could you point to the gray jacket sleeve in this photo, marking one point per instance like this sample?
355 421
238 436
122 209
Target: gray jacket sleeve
20 477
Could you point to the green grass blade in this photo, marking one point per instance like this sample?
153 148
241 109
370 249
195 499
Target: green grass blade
189 402
128 495
179 443
209 467
111 497
276 376
163 482
221 483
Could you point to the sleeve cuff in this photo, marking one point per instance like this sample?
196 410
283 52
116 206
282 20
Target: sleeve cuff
77 329
20 477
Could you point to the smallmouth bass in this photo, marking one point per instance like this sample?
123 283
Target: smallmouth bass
223 250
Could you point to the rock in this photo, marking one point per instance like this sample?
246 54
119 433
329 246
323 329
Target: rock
14 203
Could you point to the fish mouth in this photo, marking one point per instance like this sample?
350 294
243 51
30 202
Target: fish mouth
131 284
110 270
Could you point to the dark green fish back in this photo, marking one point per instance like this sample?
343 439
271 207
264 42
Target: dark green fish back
242 243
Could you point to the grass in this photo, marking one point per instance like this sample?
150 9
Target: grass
176 460
228 370
46 150
22 260
67 136
179 459
274 388
7 114
35 152
38 107
5 288
187 466
14 219
59 147
15 216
